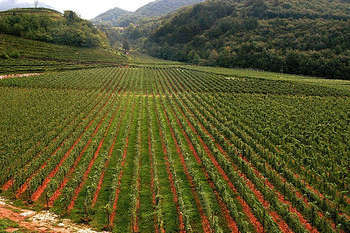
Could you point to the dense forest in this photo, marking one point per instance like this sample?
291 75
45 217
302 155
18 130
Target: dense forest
292 36
51 26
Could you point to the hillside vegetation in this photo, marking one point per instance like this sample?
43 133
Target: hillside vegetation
292 36
51 26
122 18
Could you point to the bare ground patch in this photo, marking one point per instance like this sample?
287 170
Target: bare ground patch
6 76
43 221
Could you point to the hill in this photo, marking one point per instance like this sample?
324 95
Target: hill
122 18
111 16
11 4
18 55
51 26
302 37
41 11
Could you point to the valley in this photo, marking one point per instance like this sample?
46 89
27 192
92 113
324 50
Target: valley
188 116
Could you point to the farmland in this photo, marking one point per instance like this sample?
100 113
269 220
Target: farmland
177 149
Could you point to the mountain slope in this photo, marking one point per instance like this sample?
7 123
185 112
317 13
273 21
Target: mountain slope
163 7
122 18
111 16
293 36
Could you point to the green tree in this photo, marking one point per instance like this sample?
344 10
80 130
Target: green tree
213 57
126 46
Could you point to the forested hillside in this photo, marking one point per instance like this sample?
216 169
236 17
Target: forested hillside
122 18
51 26
292 36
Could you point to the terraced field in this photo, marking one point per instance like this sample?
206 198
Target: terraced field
173 149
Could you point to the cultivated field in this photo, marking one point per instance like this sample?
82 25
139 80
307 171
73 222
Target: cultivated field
173 149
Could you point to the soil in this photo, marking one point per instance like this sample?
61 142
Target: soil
43 221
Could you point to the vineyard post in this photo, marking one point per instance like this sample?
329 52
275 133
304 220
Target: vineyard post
315 211
29 200
264 217
107 208
87 202
13 187
47 199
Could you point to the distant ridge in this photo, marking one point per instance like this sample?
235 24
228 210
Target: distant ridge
111 16
120 17
163 7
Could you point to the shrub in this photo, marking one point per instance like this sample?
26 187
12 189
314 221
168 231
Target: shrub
14 54
4 55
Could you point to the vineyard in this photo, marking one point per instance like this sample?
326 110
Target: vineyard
173 149
23 55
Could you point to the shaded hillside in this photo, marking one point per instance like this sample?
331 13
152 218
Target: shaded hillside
293 36
51 26
122 18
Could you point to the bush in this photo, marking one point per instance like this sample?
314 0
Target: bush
14 54
4 55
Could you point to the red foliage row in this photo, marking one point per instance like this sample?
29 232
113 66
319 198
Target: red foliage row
85 176
225 211
110 152
204 218
120 176
117 191
246 209
57 193
171 179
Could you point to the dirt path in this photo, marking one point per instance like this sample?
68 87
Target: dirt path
17 75
43 221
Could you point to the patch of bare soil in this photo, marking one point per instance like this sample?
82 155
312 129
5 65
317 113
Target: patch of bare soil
43 221
18 75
